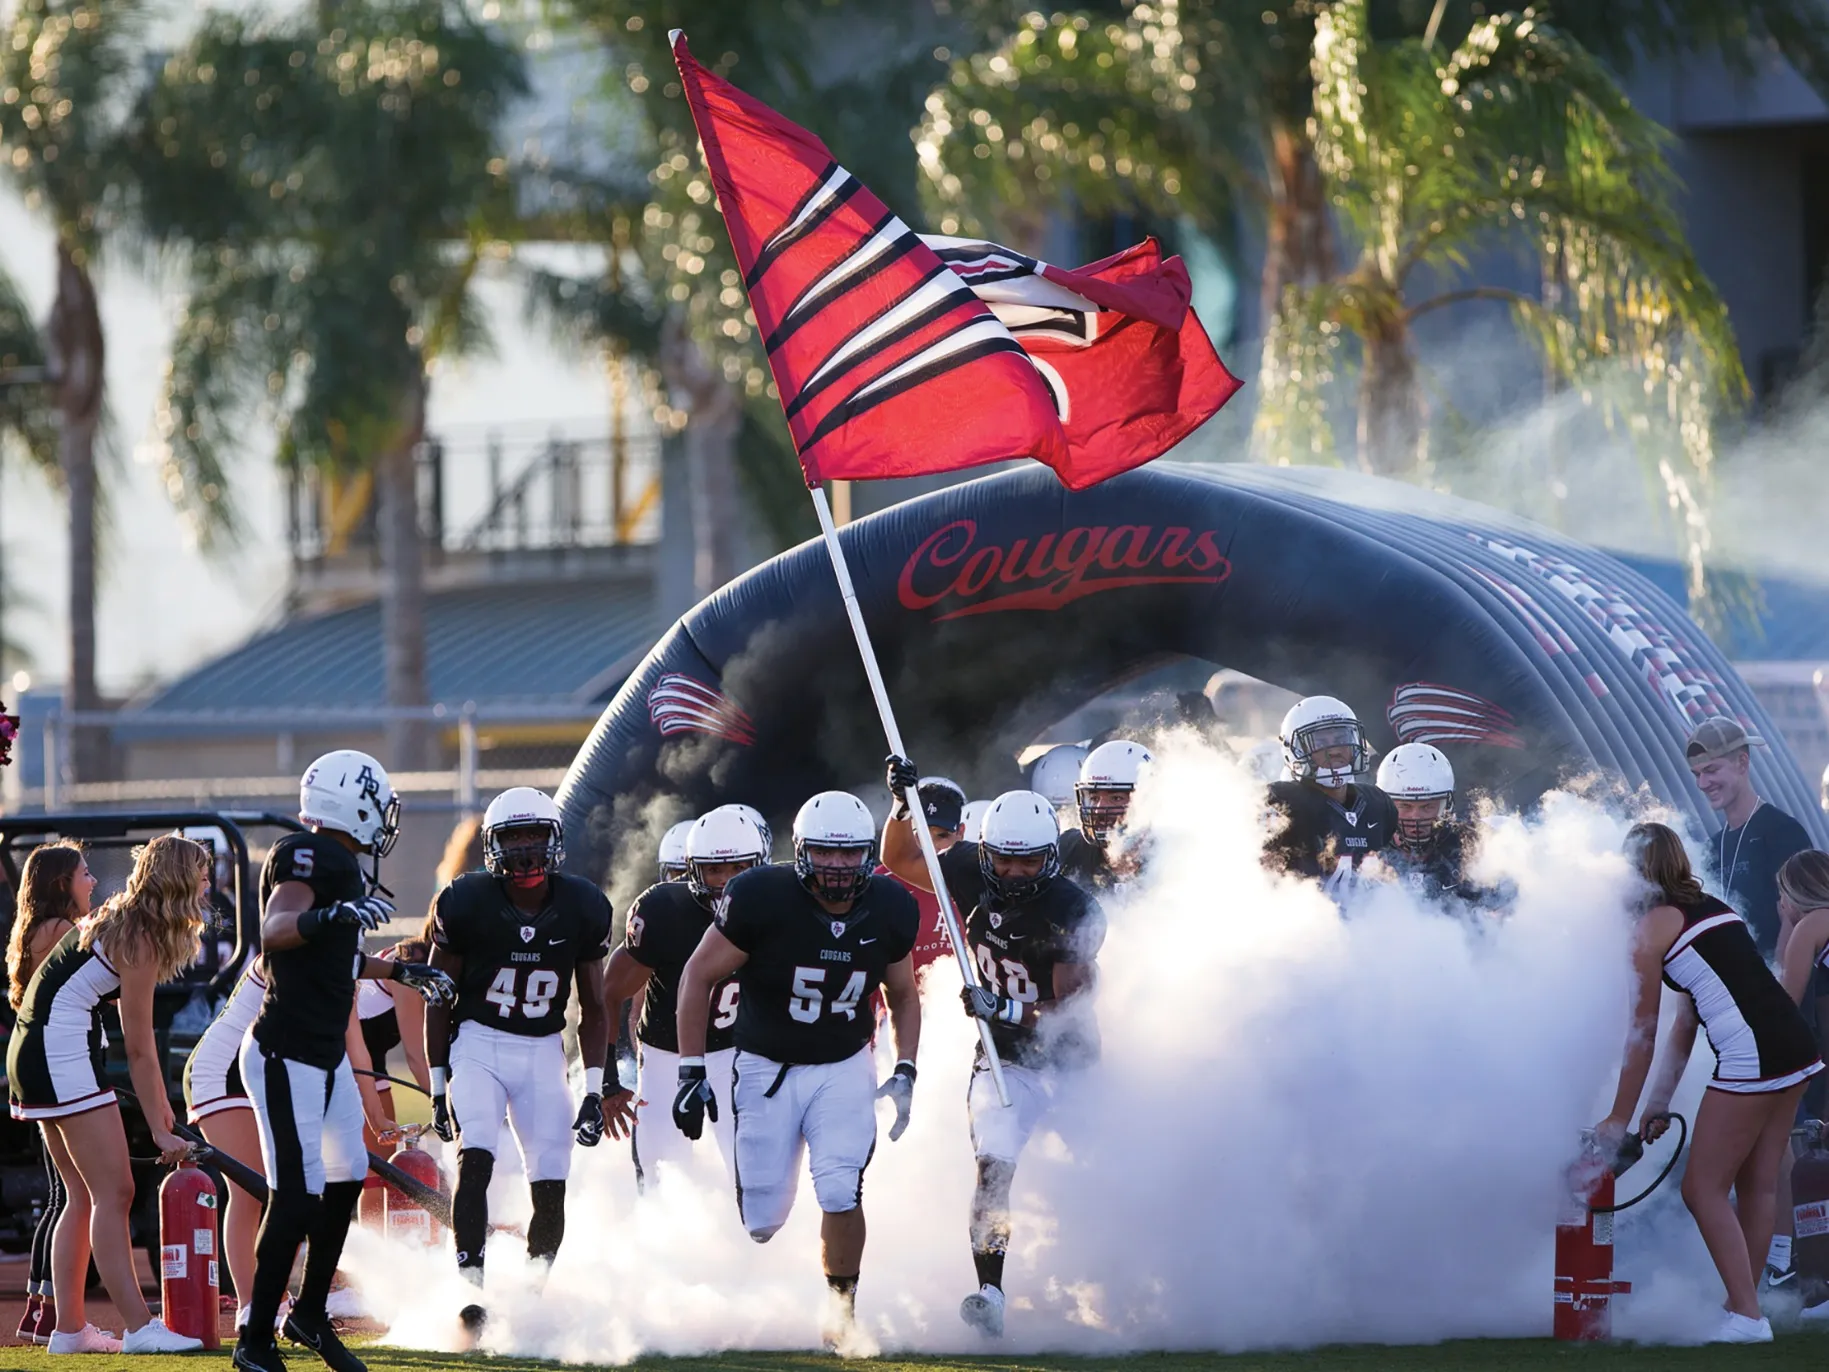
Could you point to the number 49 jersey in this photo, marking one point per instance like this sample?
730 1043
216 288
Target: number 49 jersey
517 972
807 985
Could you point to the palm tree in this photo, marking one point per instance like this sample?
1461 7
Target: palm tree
852 70
1423 154
27 423
335 183
68 69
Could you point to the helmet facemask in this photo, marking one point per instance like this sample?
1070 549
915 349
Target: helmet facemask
1324 734
1013 890
835 881
703 887
523 855
1418 833
1103 810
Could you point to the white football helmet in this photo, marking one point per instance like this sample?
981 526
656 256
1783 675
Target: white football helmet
973 818
1107 777
673 851
1317 722
754 816
1056 772
1019 824
527 859
1417 771
349 791
835 819
724 835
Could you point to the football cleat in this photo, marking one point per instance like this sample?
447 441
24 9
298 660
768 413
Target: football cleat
983 1310
249 1358
474 1320
320 1338
1778 1279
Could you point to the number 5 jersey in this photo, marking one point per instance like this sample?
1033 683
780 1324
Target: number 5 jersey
517 972
665 926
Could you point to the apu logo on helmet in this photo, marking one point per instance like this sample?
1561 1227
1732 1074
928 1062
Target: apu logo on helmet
1054 569
680 705
1422 712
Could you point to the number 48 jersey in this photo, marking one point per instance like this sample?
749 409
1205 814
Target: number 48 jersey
806 988
518 968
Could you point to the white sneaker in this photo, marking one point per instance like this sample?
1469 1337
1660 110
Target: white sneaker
345 1304
88 1339
279 1320
1742 1329
983 1310
1817 1313
154 1337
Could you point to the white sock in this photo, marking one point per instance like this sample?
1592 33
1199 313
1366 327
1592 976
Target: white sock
1780 1256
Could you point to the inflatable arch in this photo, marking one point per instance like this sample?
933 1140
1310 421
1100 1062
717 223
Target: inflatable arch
999 605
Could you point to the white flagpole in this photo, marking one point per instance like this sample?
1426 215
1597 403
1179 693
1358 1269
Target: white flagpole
928 853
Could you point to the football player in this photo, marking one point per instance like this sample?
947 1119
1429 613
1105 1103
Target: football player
1430 848
808 946
664 927
943 808
1103 850
316 906
1325 822
516 937
1035 936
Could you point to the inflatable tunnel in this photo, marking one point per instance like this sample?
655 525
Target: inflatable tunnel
999 605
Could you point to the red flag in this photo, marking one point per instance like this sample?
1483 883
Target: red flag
891 361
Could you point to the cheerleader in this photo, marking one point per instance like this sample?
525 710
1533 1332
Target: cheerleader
144 936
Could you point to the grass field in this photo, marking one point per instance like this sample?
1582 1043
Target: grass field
1800 1352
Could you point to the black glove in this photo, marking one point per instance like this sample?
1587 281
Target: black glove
588 1127
899 1090
902 776
434 987
369 913
441 1118
694 1101
983 1004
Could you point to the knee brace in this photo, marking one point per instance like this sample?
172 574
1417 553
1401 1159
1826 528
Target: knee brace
470 1205
839 1190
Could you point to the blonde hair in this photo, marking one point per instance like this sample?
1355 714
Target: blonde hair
463 851
1805 879
45 894
158 919
1663 862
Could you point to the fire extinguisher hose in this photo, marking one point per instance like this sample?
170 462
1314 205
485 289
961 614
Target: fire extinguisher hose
1669 1167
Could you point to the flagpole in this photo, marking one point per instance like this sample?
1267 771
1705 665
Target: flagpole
929 854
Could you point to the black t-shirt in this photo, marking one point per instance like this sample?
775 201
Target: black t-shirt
517 973
1016 949
665 926
310 989
1316 831
807 986
1746 862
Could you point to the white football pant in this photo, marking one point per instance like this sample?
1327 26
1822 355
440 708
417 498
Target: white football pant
522 1077
827 1110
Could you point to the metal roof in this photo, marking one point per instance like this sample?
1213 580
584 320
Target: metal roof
550 643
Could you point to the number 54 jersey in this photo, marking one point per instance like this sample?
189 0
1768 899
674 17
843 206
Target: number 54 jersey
517 973
807 987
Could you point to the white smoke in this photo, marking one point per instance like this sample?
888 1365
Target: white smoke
1305 1129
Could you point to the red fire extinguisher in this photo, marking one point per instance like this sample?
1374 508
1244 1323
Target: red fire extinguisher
1584 1237
371 1210
1810 1211
407 1218
187 1241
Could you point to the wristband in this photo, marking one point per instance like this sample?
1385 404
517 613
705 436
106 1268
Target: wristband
692 1065
905 1067
1010 1011
311 923
593 1081
899 809
440 1076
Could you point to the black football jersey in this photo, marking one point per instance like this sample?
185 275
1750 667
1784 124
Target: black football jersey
1316 832
1083 860
665 926
806 990
1441 873
518 968
311 988
1016 949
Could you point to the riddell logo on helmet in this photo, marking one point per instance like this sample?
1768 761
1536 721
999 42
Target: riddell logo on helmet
1053 570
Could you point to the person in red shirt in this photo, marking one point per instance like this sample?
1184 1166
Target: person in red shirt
943 803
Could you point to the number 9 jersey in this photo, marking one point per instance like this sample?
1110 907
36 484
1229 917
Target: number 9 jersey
517 972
